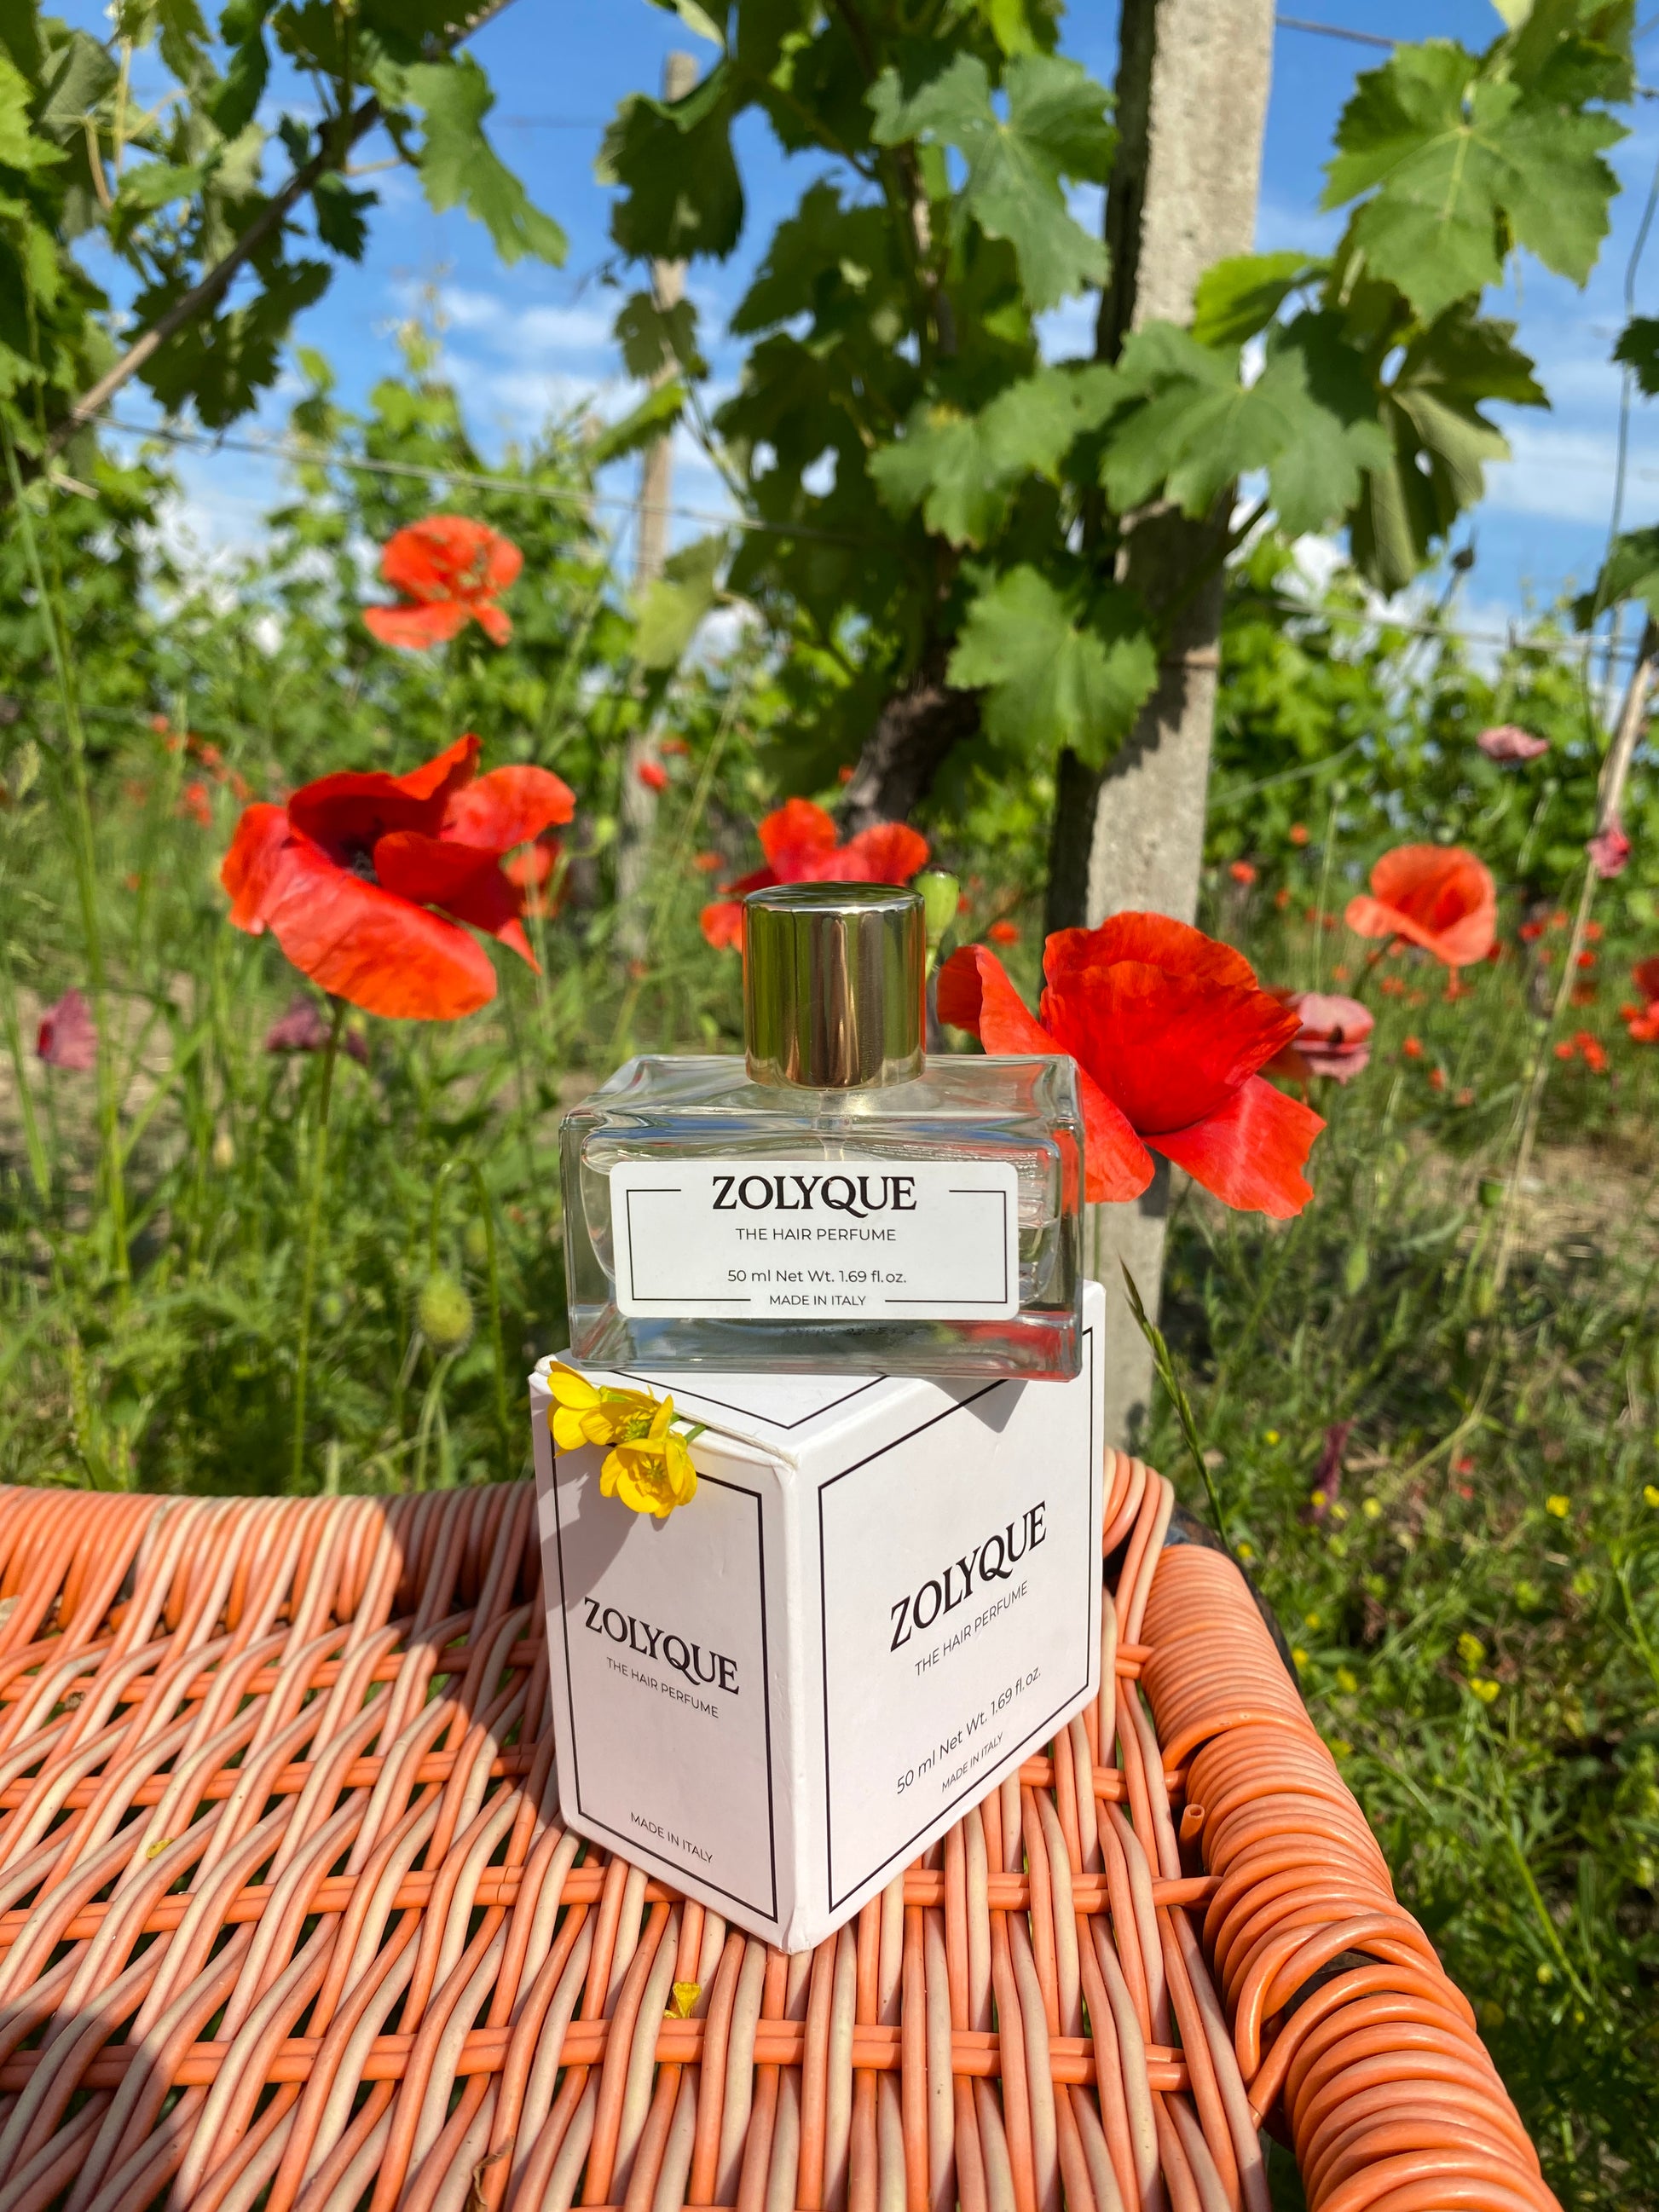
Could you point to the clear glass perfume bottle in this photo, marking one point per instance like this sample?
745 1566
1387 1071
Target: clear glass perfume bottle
835 1200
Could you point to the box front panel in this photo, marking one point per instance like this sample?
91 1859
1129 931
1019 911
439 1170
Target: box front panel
959 1580
665 1643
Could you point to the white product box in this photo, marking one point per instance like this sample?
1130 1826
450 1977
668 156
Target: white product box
884 1595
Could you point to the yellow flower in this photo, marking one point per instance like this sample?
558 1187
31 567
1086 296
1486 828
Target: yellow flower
1486 1690
1371 1510
1470 1650
652 1473
649 1466
1557 1505
1650 1492
1347 1681
685 1996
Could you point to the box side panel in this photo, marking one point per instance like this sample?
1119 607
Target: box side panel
663 1644
956 1617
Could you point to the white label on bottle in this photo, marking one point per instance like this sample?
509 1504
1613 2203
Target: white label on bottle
816 1240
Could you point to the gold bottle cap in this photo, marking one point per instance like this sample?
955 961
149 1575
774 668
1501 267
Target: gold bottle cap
833 976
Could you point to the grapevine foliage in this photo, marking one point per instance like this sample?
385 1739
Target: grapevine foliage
173 189
961 497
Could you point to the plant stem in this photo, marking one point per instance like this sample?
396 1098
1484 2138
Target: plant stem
83 847
492 1273
313 1218
1179 1399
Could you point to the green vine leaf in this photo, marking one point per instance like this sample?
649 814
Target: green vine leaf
964 470
1639 350
1053 676
671 607
459 167
1237 298
1459 161
654 418
1055 128
1440 442
682 193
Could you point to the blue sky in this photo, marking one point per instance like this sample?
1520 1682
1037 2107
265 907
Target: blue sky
525 341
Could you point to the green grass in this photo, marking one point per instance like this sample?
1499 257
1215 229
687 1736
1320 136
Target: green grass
1476 1613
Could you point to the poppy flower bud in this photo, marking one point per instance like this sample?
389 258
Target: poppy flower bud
941 895
444 1312
475 1244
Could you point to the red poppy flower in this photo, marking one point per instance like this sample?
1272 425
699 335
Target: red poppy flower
1413 1048
798 840
68 1037
653 775
1437 1079
347 873
1241 872
450 570
1299 833
1334 1038
1169 1032
193 801
707 864
1594 1052
1438 896
1282 897
1003 932
1566 1051
1530 931
677 746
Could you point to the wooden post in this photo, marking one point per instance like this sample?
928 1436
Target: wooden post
1192 104
637 811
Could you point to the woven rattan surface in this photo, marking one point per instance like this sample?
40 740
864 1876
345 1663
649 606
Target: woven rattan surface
288 1916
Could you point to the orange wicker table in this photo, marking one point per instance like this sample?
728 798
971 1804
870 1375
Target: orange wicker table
288 1917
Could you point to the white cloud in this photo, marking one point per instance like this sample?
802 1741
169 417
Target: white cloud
1567 474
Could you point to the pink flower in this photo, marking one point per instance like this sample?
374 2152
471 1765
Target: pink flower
1334 1038
67 1036
1609 850
302 1029
1507 743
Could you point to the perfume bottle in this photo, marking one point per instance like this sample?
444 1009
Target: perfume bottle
835 1200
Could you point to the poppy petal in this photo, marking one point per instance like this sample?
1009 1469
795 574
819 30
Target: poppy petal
346 813
360 942
495 621
1156 941
1646 975
722 924
1251 1152
795 834
249 868
444 556
1169 1049
758 879
974 993
886 853
461 878
1439 896
508 807
445 772
418 627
